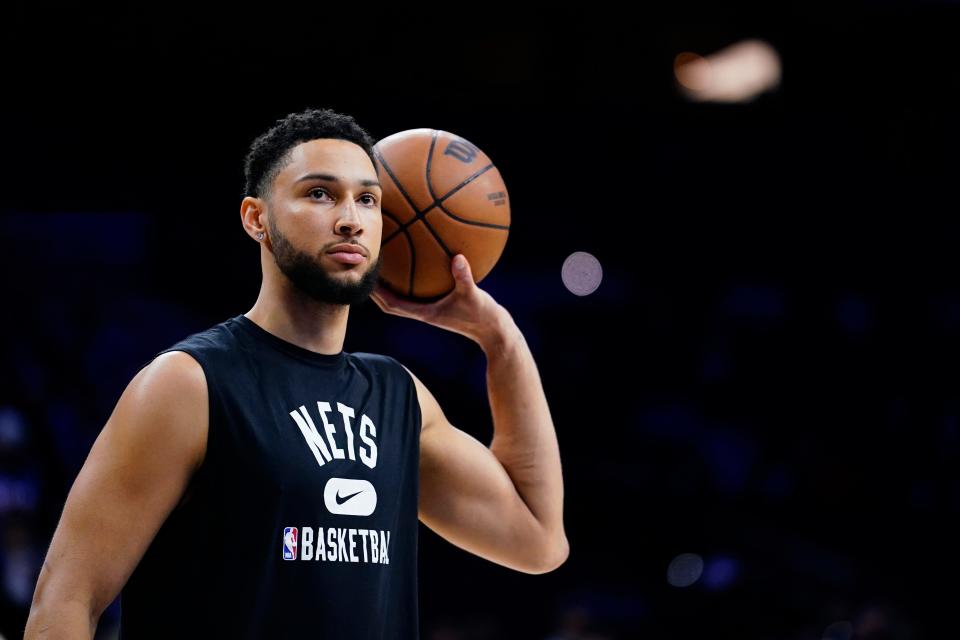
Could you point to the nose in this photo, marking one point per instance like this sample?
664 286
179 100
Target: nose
349 220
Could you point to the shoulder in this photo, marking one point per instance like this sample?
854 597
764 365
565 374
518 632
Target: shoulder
167 399
172 376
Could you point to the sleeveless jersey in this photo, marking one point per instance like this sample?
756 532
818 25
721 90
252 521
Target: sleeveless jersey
302 520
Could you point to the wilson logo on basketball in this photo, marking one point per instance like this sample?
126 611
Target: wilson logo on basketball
462 151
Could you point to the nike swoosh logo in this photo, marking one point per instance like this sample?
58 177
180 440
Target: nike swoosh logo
342 500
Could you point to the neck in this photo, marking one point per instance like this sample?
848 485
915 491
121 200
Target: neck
287 313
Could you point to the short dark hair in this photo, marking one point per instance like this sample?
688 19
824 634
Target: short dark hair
268 152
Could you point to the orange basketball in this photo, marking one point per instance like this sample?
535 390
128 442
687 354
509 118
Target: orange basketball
441 196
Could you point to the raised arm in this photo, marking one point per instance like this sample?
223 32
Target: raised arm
503 502
135 474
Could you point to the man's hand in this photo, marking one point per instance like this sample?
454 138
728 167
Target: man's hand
467 310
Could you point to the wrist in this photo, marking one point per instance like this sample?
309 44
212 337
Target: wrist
499 333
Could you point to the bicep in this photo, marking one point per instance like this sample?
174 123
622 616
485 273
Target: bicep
464 489
467 496
133 477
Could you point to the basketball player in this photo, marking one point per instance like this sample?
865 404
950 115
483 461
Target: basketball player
255 480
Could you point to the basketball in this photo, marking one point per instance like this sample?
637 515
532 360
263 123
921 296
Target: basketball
441 196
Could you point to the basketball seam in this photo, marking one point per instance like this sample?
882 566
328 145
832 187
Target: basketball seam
403 192
442 247
433 146
472 222
413 253
470 179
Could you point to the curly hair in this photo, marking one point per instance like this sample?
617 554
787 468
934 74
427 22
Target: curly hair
269 152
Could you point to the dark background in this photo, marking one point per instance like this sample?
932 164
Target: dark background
766 377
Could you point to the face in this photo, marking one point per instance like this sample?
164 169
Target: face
327 195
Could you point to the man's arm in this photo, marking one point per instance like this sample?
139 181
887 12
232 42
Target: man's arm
135 474
503 503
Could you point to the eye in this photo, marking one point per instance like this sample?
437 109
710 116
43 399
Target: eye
317 190
372 199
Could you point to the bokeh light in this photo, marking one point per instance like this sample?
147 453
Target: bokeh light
738 73
581 273
685 570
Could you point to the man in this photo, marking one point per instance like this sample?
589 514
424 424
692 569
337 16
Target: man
255 480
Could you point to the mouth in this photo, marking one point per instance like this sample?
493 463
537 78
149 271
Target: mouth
347 257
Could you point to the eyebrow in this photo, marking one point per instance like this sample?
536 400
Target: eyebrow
332 178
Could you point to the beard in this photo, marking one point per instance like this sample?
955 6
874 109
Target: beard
308 275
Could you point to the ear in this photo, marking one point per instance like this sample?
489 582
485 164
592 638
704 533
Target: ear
252 216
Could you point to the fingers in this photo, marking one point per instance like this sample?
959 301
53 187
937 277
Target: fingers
462 273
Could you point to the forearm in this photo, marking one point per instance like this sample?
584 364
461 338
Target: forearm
524 438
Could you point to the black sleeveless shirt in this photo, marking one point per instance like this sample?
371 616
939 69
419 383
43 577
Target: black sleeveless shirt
302 520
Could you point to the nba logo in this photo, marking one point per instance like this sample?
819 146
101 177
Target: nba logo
290 543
